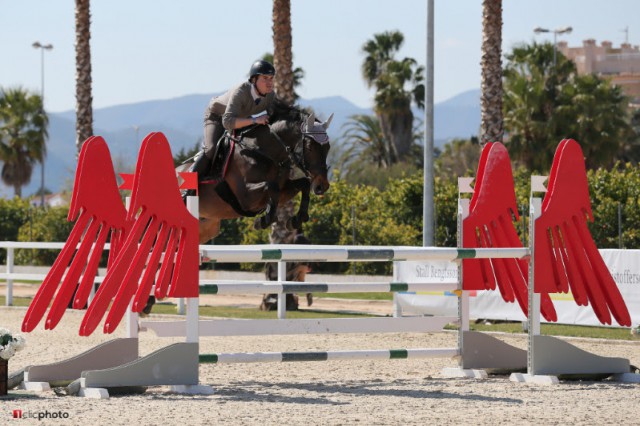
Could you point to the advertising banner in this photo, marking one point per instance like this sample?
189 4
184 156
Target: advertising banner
624 266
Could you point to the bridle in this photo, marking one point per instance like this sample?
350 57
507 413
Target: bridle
318 136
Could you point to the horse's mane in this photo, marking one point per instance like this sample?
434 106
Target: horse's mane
281 111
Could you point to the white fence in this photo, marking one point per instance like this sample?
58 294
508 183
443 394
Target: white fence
10 275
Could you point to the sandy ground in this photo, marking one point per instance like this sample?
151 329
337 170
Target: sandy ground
319 393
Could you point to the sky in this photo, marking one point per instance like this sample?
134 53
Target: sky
160 49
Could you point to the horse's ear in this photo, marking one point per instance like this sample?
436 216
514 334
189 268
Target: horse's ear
311 121
328 122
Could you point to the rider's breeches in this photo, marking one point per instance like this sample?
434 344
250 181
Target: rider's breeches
213 131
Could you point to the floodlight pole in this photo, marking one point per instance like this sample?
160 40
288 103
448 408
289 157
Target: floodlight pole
428 189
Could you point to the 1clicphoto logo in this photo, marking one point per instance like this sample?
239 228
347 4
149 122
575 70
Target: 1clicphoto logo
40 415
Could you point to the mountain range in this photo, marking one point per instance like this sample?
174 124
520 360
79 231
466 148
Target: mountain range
180 119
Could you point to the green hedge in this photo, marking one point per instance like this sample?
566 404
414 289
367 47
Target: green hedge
364 215
45 225
14 213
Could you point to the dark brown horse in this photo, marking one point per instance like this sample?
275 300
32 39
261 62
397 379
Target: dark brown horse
268 166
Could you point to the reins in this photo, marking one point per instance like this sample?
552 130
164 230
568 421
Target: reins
291 153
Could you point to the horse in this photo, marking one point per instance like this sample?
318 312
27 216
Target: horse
266 167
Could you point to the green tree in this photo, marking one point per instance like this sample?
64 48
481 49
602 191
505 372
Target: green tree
185 154
23 133
595 114
531 88
14 213
631 150
544 104
610 190
44 225
397 83
458 158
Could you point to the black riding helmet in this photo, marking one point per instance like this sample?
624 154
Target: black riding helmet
261 68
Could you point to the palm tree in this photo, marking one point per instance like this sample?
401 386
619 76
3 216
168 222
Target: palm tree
23 133
531 88
283 56
459 158
545 103
84 99
366 143
491 63
389 76
597 117
283 85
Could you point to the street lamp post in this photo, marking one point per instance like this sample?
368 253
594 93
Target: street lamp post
565 30
42 47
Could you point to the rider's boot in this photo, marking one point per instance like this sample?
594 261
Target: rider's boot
200 166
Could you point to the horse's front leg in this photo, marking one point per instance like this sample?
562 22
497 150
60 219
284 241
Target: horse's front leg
303 186
270 215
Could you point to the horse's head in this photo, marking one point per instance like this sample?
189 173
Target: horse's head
294 125
316 148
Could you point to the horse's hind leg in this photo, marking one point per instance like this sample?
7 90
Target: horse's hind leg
209 228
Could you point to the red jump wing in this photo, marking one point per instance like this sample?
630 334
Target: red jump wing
566 255
98 210
490 225
162 244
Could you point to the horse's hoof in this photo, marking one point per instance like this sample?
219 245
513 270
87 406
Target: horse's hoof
146 311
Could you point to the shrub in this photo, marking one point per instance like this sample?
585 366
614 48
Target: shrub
15 213
46 225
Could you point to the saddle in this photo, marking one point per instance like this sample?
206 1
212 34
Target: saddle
224 151
226 147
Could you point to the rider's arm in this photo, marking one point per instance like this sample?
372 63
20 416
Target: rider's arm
239 108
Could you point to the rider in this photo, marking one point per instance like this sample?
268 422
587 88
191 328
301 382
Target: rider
235 109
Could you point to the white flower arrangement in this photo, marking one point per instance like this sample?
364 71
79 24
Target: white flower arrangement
10 344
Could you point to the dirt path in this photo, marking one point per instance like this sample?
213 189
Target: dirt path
367 392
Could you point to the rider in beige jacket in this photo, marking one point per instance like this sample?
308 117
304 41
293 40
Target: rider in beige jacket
237 108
